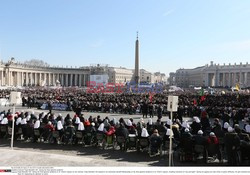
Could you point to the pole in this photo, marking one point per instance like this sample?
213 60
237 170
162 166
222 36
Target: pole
13 125
170 138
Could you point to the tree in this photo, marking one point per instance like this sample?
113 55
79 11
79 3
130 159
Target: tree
36 62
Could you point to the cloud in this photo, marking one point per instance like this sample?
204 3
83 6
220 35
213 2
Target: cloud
97 44
168 12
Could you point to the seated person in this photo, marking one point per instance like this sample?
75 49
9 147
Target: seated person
49 127
186 141
245 148
122 131
111 131
69 131
101 129
213 146
199 139
155 142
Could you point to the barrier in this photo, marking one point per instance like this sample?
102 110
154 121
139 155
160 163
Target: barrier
55 106
6 102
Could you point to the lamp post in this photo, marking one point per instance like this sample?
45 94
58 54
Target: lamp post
14 97
172 107
13 127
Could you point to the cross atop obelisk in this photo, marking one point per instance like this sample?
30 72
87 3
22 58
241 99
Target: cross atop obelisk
136 73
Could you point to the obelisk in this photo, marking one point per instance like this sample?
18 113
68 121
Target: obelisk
136 74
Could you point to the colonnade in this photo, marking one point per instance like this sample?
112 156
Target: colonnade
32 78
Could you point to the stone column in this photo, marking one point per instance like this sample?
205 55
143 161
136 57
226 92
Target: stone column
223 79
37 79
48 79
9 83
67 80
44 78
30 78
80 80
231 78
245 79
71 79
75 83
10 78
84 80
53 79
1 78
240 78
14 78
205 79
21 78
27 78
7 77
63 79
17 78
248 79
34 78
60 77
217 78
235 78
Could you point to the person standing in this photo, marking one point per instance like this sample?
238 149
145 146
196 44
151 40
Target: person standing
151 110
23 101
159 111
29 102
50 107
232 143
144 109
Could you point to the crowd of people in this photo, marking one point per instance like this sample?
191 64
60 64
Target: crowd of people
217 105
219 139
216 124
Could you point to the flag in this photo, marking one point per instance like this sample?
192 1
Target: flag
150 97
195 102
201 93
237 87
203 98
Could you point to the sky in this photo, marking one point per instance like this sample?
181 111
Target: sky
173 34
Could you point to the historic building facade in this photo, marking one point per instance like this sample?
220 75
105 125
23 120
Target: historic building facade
213 75
146 76
13 74
120 75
